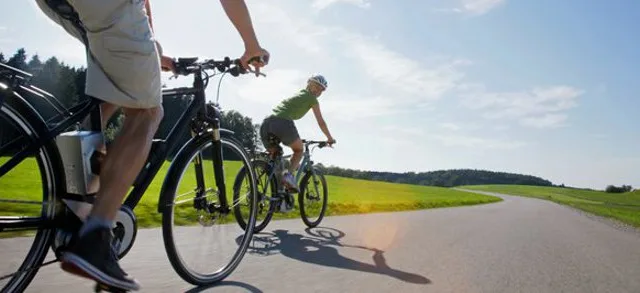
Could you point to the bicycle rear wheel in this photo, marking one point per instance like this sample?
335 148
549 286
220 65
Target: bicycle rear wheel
27 200
266 191
194 209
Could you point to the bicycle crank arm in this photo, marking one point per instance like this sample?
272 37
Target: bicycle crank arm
124 226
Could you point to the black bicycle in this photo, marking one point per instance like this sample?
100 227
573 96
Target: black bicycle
64 155
273 196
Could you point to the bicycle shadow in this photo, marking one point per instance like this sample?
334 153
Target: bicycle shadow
322 250
245 286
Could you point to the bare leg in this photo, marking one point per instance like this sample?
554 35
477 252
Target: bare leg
124 161
296 147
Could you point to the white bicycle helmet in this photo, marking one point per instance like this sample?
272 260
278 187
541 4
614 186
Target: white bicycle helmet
319 79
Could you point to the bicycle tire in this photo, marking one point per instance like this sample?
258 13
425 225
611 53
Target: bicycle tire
49 165
325 194
181 161
273 188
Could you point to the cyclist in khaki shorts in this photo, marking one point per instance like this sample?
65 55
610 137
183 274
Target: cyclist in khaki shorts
124 71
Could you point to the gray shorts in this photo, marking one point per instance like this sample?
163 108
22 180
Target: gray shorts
127 72
282 129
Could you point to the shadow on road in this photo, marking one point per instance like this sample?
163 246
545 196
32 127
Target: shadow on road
245 286
319 247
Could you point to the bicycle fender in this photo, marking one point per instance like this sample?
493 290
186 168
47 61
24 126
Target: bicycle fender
224 131
14 100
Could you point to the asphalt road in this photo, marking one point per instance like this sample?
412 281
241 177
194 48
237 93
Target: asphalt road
519 245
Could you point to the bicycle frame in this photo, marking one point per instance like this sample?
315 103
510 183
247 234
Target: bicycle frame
305 164
196 115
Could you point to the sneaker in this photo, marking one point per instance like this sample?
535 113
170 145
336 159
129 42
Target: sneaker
93 257
286 203
290 182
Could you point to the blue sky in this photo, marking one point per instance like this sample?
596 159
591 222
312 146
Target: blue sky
538 87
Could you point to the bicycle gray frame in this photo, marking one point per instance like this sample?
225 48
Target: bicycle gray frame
305 165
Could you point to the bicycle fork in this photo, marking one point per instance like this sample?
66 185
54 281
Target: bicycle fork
200 201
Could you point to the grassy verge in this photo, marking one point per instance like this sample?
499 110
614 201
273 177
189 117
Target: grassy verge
624 207
346 196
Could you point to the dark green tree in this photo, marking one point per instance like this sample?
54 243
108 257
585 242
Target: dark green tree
243 126
34 65
19 59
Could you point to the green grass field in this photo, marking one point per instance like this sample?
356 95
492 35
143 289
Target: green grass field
624 207
346 196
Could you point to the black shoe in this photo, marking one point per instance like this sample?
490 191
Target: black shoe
93 257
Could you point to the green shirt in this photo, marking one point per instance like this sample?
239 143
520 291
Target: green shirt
295 107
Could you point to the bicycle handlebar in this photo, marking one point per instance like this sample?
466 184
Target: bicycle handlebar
187 66
321 144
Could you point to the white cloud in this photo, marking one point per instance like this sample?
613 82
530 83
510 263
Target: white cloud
450 126
353 107
401 73
411 131
459 140
473 7
546 121
322 4
5 40
478 7
539 107
302 32
452 136
396 82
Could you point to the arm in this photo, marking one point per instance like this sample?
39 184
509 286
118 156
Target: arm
238 14
147 7
166 63
321 123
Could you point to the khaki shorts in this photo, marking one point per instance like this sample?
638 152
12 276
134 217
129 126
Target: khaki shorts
127 72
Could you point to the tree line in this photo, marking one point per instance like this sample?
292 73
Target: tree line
441 178
618 189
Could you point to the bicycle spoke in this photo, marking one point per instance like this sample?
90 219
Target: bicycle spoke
207 191
27 270
7 147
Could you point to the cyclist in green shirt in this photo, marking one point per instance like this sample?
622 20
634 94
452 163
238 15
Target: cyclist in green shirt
280 124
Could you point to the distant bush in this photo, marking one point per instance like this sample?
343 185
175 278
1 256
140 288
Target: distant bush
616 189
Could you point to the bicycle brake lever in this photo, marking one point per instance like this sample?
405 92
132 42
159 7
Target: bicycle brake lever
254 72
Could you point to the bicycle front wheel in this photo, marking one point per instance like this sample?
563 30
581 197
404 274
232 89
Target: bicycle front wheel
313 198
198 228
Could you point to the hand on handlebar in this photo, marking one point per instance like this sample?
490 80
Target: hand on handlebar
167 64
258 57
331 141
